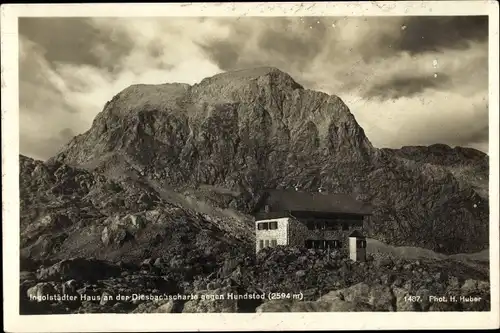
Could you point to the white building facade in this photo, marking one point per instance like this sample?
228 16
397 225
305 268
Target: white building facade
271 233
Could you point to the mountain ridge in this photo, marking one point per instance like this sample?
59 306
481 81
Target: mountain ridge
255 129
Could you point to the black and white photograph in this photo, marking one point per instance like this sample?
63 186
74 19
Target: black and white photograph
303 161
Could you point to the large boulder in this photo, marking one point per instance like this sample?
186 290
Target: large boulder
402 300
118 230
378 297
78 269
41 292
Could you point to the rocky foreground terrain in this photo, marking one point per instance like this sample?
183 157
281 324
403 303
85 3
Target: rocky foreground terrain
154 199
300 280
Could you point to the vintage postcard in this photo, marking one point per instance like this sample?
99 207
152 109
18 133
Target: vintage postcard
250 166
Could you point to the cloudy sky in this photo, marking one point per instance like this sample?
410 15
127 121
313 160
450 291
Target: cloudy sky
407 80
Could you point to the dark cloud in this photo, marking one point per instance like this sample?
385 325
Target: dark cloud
36 90
75 41
224 53
66 134
405 86
297 48
156 50
432 33
281 40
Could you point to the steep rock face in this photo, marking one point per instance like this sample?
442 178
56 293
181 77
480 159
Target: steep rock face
229 129
253 129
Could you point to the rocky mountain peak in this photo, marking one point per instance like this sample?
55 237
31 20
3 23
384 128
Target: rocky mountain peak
261 107
273 74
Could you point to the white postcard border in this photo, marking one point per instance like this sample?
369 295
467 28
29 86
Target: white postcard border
222 322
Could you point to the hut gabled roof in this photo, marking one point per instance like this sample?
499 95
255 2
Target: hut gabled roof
287 200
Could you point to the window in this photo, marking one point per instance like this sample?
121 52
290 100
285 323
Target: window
274 243
317 225
267 209
334 244
316 244
322 244
267 242
261 244
267 225
263 226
